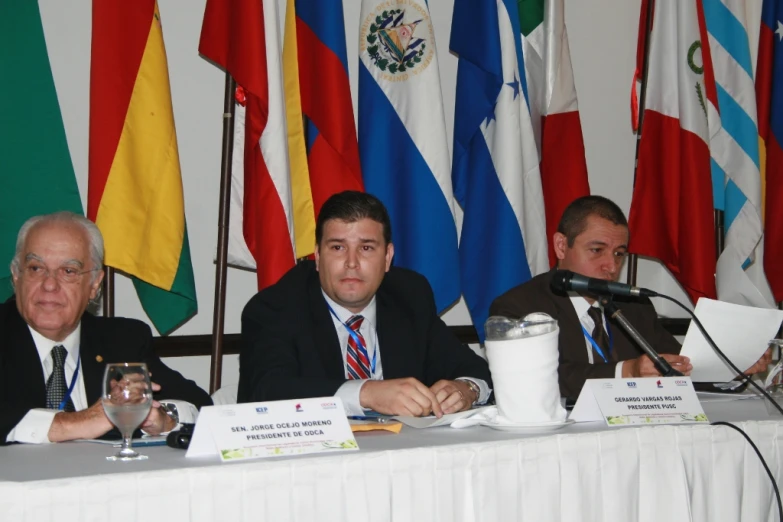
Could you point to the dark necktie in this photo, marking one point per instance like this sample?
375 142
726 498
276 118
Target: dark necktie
356 359
55 386
599 334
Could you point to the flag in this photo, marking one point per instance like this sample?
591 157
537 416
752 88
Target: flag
553 108
242 37
135 187
769 98
734 146
671 214
38 176
496 165
323 150
403 146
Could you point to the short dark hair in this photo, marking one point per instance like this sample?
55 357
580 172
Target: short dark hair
574 220
351 206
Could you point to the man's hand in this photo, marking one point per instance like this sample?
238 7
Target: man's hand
453 396
400 397
86 424
644 367
762 364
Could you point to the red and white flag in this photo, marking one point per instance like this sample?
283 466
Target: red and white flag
243 37
671 214
553 109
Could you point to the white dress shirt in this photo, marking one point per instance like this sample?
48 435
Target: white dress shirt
34 426
350 390
581 306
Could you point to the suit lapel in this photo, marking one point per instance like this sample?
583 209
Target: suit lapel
325 338
395 342
89 351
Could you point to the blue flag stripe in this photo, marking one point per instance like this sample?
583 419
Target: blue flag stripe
739 124
325 19
729 32
423 229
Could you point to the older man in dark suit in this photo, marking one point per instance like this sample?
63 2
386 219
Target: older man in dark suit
53 353
351 325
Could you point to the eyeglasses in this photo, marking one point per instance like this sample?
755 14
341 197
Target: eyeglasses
64 274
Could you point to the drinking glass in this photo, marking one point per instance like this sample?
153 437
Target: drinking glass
127 399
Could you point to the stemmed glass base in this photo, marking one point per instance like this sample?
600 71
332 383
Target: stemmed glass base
127 454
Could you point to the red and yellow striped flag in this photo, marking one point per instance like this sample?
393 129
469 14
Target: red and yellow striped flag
135 187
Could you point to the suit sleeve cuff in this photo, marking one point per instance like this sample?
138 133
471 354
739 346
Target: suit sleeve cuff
349 394
33 428
618 370
484 389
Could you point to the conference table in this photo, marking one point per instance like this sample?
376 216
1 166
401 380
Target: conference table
583 472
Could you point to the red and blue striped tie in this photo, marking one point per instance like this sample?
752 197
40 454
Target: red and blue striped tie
357 361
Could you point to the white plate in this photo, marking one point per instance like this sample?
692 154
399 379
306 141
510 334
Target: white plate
529 426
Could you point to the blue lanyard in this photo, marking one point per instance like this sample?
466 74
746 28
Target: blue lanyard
595 344
73 383
358 341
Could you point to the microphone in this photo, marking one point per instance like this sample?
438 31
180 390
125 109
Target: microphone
565 280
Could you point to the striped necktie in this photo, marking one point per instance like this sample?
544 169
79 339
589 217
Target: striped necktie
55 385
600 336
357 362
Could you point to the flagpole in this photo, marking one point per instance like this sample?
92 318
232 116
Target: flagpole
633 259
108 292
219 313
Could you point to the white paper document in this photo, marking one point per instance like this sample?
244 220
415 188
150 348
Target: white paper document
432 421
741 332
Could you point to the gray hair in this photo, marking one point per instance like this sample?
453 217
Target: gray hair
91 229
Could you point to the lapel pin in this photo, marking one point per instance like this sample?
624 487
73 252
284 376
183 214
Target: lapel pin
99 358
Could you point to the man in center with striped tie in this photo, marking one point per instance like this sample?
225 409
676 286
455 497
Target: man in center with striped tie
350 325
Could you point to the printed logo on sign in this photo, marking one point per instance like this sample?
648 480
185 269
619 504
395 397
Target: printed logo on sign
397 38
299 408
329 405
607 385
658 384
631 384
680 382
262 409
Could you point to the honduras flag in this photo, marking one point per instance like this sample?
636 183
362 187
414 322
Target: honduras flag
402 140
495 171
734 147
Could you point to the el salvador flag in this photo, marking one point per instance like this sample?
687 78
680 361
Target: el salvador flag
402 140
496 164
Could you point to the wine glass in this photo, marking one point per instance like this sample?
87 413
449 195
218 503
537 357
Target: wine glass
127 399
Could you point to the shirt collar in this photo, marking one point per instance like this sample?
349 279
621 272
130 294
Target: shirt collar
581 305
71 343
369 312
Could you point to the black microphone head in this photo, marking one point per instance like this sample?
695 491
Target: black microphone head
561 280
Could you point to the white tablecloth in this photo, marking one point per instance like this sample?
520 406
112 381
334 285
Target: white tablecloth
584 472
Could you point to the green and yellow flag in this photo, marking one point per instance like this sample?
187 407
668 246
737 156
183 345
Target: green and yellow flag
135 188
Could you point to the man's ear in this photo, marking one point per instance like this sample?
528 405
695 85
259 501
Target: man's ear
560 243
389 255
95 286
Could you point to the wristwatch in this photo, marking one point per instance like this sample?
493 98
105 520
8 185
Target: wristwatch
170 410
474 388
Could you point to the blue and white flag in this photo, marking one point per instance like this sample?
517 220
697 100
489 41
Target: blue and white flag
496 164
402 140
734 147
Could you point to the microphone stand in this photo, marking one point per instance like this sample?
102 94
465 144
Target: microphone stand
615 313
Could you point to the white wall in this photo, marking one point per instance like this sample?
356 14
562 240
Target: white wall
603 45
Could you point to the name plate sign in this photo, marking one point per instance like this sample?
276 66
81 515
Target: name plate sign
272 429
653 400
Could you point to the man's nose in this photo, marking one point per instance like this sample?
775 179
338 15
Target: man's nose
50 281
352 258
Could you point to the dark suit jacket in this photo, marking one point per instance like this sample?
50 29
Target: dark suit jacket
537 296
22 383
290 348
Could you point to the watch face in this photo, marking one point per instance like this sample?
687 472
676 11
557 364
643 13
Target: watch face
171 411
